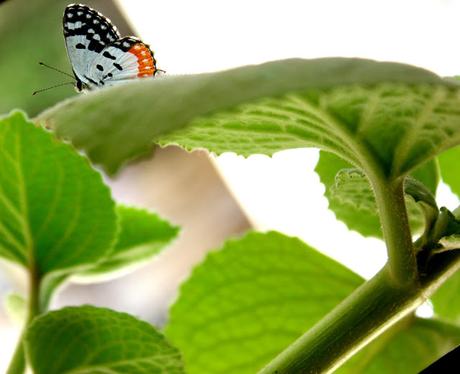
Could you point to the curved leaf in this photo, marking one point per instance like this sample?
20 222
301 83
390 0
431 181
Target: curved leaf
248 301
351 198
376 115
96 340
142 235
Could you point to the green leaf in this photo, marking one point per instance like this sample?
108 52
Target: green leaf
445 232
448 163
57 215
408 347
351 198
96 340
250 300
142 235
376 115
420 193
446 300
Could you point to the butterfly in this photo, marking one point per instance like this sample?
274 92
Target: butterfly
98 54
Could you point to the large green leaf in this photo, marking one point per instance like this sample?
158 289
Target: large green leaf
97 341
351 198
250 300
56 213
376 115
142 235
408 347
448 163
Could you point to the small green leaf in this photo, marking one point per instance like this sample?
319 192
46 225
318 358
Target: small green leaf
247 302
358 215
446 230
375 115
420 193
420 201
142 235
408 347
96 340
448 163
57 214
351 198
16 307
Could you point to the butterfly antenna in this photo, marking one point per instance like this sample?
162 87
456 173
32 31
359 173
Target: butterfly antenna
49 88
53 68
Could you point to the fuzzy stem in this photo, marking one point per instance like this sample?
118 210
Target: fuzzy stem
367 312
402 263
360 318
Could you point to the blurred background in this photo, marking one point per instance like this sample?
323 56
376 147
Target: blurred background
214 198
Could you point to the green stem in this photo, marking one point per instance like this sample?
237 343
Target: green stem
18 362
360 318
402 263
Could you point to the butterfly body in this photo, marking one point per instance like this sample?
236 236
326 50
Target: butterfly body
98 54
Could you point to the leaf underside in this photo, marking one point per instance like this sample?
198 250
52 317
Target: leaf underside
375 115
351 198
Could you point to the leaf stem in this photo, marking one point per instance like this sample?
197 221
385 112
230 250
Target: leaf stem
402 263
360 318
18 362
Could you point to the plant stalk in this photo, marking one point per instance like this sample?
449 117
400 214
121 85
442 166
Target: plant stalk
366 313
402 263
361 317
18 362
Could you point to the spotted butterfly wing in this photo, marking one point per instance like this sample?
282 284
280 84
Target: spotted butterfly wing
97 54
126 58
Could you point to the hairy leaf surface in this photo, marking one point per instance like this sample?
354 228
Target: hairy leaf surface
384 116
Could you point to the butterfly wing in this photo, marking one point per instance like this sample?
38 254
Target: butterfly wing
87 32
124 59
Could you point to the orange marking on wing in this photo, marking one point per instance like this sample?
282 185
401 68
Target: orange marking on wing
147 64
